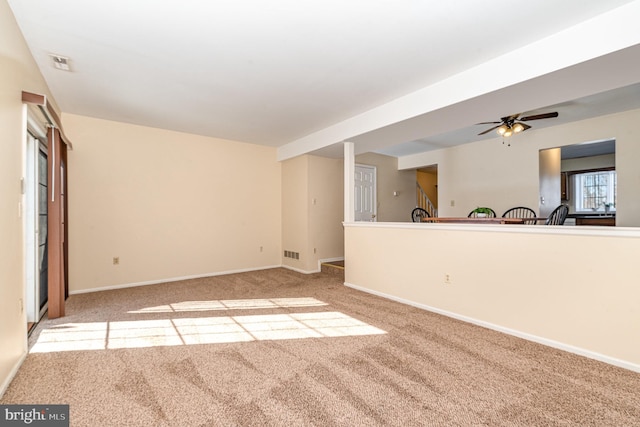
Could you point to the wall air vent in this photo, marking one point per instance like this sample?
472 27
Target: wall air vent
291 254
60 62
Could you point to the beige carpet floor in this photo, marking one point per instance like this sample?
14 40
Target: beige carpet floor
278 348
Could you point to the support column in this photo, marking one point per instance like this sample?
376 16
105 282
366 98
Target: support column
349 181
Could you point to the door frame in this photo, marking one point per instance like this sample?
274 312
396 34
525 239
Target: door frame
36 107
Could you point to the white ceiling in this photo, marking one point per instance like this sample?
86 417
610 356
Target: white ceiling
282 71
603 103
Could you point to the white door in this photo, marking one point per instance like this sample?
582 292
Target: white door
365 193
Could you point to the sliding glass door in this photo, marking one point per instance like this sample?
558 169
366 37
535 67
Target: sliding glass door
41 232
36 228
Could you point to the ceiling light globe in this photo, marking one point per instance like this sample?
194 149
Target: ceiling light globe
518 128
508 133
501 130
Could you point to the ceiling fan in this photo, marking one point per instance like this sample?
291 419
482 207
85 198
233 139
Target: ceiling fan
509 125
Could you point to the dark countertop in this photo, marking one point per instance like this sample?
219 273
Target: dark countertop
592 215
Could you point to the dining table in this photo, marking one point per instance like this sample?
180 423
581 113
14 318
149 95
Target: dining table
474 220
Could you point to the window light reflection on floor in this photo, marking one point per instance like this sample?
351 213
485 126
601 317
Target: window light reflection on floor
199 330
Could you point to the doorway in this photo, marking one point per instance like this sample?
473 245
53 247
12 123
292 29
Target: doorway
427 189
36 229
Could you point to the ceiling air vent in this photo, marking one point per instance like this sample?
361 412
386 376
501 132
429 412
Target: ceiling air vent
60 62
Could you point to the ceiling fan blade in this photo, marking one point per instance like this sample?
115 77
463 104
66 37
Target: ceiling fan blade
488 123
490 129
540 116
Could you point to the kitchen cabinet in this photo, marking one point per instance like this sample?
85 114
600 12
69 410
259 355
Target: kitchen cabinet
608 221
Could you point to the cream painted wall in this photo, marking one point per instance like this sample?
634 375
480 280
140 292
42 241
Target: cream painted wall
549 189
18 72
579 291
168 204
492 174
326 211
312 210
295 211
389 179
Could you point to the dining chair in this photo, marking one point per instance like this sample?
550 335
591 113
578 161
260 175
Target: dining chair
418 213
474 214
521 212
558 215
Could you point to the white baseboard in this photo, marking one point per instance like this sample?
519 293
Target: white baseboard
12 374
318 270
540 340
298 270
340 258
171 279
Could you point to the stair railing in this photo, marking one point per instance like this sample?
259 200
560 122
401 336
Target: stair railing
424 202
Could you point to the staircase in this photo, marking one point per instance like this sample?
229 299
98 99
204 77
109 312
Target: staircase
333 267
424 202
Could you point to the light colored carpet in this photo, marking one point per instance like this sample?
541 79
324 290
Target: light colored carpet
278 348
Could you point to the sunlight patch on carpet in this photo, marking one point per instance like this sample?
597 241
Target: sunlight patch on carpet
199 330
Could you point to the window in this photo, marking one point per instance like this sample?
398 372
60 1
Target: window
595 190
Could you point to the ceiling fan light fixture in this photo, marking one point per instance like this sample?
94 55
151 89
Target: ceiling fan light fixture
514 123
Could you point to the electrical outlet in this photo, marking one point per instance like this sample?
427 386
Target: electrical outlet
261 248
116 260
453 203
447 279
